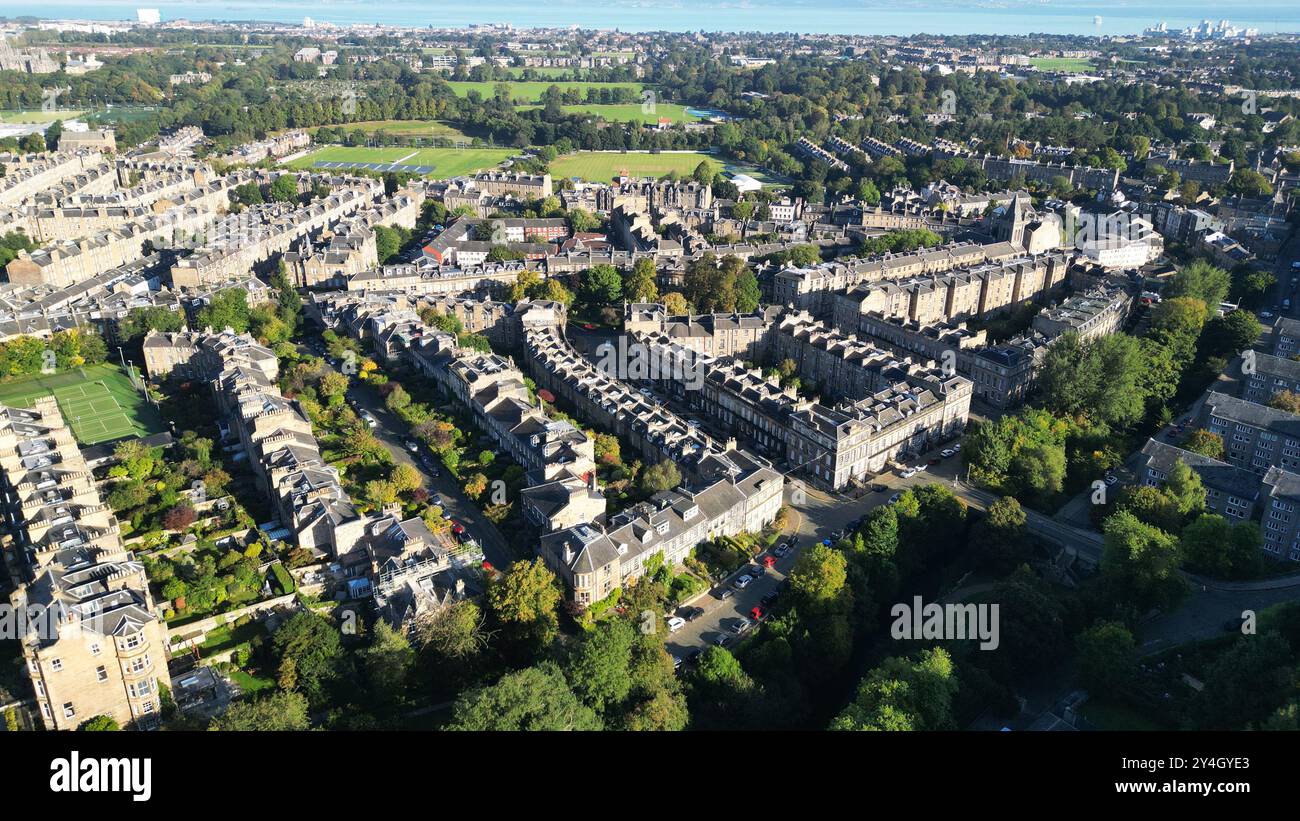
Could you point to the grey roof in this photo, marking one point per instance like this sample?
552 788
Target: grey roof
1252 413
1214 473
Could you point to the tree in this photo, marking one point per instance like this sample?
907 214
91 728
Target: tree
1142 561
405 478
902 694
476 486
284 189
452 642
602 286
535 698
1246 684
101 723
228 309
387 243
1001 537
720 692
1100 379
277 712
818 581
1203 281
387 663
704 173
640 285
179 517
1284 400
1230 334
661 477
1205 443
598 667
310 654
1106 658
747 292
1213 546
524 602
675 304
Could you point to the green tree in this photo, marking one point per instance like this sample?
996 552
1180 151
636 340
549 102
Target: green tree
524 601
284 189
902 694
602 286
598 666
99 723
1107 658
310 653
640 285
277 712
535 698
1142 561
661 477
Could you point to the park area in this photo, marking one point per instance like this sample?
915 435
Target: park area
602 166
99 402
440 163
531 91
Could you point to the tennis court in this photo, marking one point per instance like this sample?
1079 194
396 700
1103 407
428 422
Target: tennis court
99 402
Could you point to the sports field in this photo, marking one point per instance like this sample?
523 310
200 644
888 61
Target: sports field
531 92
600 166
98 402
631 112
439 163
414 128
1076 65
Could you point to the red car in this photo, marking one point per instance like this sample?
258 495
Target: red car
756 613
769 561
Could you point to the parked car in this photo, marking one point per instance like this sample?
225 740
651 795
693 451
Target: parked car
895 498
677 663
757 570
693 613
726 593
721 639
675 624
770 599
743 581
1111 479
781 549
879 488
933 462
412 445
946 452
908 473
741 626
369 420
756 613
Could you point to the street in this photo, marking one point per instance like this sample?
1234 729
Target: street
391 432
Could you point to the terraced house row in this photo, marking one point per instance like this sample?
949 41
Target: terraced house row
971 292
894 408
812 289
730 493
612 404
95 645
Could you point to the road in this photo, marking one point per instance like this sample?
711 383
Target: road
392 433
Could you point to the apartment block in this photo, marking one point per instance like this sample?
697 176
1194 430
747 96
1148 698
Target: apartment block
1280 521
94 646
1268 376
1097 313
1255 437
1230 491
739 494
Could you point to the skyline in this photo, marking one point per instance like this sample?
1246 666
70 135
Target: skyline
819 16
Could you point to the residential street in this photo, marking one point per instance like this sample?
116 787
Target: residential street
391 431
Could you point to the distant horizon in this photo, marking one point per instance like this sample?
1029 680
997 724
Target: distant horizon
830 17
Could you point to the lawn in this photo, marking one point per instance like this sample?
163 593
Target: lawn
531 92
630 112
439 163
98 402
416 128
599 166
26 117
1078 65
